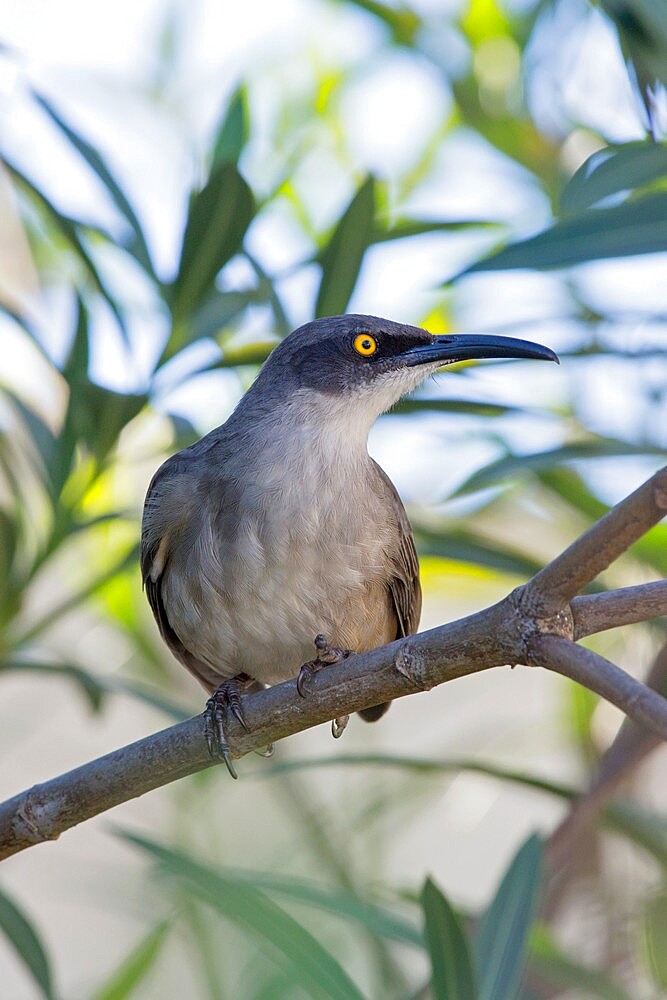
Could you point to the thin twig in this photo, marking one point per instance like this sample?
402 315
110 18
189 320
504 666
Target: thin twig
608 538
597 612
597 674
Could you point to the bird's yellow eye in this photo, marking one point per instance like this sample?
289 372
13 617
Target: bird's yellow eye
365 345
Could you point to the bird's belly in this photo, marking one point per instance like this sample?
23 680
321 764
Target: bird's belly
258 609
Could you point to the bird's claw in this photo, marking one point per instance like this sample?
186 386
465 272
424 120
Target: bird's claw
326 655
338 726
226 696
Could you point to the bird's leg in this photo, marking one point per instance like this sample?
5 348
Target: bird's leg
226 696
326 655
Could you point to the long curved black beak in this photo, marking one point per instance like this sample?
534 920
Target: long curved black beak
467 346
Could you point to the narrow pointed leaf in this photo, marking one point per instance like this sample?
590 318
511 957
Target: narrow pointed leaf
342 257
217 221
511 465
503 931
319 973
135 967
453 976
69 229
25 940
232 133
613 170
465 546
94 159
636 227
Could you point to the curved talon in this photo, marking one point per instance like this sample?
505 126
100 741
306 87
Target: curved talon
306 672
266 752
338 726
227 695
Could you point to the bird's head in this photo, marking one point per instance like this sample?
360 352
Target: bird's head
368 363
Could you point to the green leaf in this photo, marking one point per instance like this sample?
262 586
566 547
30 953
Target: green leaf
636 227
466 407
612 170
135 967
406 228
453 976
511 465
232 132
464 546
25 940
376 919
550 963
503 930
217 221
318 972
655 938
214 313
69 229
342 257
93 158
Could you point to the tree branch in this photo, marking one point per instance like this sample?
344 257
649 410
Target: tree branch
534 624
598 612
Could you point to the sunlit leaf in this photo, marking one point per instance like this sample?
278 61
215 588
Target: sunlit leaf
406 228
316 970
218 218
135 967
550 963
232 132
25 940
94 159
453 976
613 170
503 931
466 407
636 227
342 257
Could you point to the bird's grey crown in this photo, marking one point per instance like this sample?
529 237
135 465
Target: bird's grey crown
320 355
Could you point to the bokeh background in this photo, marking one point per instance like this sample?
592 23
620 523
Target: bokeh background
182 184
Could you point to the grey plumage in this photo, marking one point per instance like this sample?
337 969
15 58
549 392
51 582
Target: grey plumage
278 525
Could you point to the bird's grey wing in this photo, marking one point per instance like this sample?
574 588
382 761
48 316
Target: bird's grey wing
404 586
169 509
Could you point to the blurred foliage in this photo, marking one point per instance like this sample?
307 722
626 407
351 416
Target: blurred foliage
69 520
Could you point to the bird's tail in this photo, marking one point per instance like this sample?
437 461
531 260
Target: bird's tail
375 712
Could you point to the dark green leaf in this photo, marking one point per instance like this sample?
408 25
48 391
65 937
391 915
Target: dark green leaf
25 940
453 976
655 938
318 971
636 227
550 963
503 930
466 407
511 465
612 170
93 158
342 257
217 221
232 132
135 967
464 546
419 227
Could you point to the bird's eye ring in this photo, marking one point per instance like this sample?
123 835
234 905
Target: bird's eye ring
365 345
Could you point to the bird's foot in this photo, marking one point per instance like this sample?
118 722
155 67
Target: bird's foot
226 696
326 655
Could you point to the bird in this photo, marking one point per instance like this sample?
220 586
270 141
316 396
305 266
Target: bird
277 529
